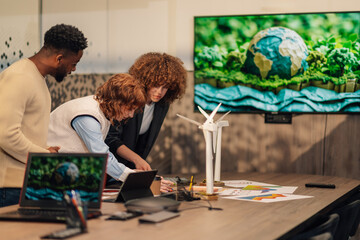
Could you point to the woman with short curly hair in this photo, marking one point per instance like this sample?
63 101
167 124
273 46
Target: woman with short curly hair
81 125
120 95
164 78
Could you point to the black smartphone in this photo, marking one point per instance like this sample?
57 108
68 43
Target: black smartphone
123 216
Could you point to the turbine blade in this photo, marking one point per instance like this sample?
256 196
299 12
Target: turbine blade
204 132
222 117
188 119
203 112
214 112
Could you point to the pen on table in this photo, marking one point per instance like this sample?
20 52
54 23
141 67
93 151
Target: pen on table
191 182
76 200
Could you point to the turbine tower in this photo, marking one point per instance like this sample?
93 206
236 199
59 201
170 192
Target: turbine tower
212 134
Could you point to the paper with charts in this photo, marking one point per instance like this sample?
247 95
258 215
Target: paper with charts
267 198
258 192
243 183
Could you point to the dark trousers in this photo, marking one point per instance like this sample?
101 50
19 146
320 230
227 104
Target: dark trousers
9 196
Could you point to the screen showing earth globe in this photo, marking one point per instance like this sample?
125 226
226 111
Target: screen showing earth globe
308 62
49 177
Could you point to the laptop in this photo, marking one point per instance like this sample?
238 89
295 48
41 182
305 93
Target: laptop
49 175
136 185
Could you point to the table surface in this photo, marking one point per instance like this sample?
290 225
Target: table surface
237 220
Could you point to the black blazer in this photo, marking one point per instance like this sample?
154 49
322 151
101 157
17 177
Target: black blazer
128 134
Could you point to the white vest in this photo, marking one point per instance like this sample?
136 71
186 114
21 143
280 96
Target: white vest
62 134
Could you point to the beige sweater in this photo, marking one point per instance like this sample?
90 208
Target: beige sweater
25 105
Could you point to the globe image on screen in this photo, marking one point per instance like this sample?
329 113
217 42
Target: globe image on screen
66 173
276 51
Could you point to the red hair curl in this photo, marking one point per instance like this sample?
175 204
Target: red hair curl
122 92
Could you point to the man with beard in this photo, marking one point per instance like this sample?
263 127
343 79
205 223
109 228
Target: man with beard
25 104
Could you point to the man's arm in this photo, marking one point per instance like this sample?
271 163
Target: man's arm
89 130
14 96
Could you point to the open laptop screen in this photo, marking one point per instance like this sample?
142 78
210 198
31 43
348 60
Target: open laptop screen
49 175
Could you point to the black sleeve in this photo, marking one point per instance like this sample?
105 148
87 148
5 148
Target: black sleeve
114 137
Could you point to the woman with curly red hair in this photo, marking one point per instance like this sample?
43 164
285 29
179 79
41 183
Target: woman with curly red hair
81 125
164 78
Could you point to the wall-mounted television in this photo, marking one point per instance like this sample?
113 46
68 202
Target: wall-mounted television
278 63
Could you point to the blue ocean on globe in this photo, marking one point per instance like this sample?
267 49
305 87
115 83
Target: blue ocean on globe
66 173
276 51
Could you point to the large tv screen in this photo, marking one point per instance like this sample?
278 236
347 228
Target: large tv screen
282 63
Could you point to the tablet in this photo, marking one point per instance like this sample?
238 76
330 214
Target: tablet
136 185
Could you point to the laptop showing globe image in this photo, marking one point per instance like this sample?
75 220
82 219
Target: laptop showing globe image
49 176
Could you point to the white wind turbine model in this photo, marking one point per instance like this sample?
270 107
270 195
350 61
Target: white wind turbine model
213 144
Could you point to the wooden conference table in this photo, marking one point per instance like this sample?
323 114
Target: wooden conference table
237 220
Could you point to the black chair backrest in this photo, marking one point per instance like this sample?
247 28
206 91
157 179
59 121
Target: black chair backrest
349 220
328 225
357 220
322 236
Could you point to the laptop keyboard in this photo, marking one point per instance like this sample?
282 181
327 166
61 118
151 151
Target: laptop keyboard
42 212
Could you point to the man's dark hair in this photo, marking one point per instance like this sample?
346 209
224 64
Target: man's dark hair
66 37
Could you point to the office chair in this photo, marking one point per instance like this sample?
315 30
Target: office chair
328 225
355 226
349 220
322 236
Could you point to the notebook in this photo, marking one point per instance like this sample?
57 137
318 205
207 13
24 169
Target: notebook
136 185
46 178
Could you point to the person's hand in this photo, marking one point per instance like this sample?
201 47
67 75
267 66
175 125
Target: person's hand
166 186
141 164
53 149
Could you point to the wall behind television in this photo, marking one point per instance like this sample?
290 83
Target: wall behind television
120 31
